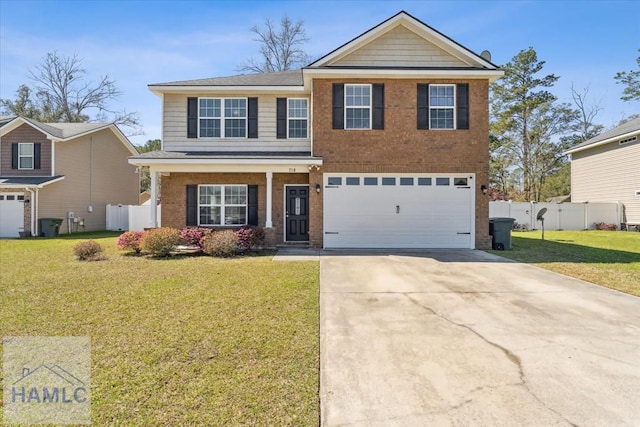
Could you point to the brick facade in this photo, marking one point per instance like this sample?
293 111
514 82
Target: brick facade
174 196
402 148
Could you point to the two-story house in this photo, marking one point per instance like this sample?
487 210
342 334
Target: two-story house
381 143
67 171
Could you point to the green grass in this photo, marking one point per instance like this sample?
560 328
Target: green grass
607 258
179 341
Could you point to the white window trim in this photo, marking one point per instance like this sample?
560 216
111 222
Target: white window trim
298 118
223 117
370 86
223 205
32 156
454 107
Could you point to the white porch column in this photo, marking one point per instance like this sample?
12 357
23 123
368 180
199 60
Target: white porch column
154 198
268 223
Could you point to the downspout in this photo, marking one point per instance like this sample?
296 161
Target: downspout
37 213
90 208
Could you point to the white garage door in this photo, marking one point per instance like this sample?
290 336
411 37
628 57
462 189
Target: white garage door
399 211
11 214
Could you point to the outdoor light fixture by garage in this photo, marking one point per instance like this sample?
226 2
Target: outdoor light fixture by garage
318 188
484 189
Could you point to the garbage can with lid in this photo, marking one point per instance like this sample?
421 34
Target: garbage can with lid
500 230
50 227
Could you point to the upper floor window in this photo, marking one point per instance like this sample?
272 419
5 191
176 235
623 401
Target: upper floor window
441 106
222 116
222 204
357 106
25 155
297 117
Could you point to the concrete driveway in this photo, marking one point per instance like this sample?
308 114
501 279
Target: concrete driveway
460 337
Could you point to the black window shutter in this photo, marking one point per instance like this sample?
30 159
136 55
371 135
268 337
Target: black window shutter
192 205
14 156
378 106
281 118
252 205
423 106
36 155
192 117
252 116
462 106
338 106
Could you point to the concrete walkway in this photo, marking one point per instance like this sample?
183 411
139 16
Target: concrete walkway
466 338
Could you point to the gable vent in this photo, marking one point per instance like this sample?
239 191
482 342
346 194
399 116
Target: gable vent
626 141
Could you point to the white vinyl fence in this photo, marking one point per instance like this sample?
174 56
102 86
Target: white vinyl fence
129 217
559 216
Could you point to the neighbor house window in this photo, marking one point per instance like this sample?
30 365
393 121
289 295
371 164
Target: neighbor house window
222 116
357 106
297 117
441 106
25 155
222 204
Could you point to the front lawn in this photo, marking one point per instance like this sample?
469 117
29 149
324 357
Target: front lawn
179 341
607 258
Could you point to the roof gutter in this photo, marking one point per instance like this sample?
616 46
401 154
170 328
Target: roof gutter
603 142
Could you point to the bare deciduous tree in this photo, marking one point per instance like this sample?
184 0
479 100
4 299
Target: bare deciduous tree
63 94
281 48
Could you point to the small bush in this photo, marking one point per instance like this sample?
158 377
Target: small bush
160 241
193 235
88 250
130 241
604 226
250 238
220 243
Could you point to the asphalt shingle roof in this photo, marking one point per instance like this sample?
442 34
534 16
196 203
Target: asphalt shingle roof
173 155
280 78
27 180
623 129
59 130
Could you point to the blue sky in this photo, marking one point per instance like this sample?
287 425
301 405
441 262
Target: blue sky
141 42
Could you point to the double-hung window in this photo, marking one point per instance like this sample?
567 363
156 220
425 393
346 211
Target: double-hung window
441 106
25 155
297 117
222 117
222 204
357 106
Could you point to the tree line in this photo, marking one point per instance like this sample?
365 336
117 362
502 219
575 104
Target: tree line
529 128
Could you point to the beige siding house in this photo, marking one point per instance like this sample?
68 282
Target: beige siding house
48 170
607 169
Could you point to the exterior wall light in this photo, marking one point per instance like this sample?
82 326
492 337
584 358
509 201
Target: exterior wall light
484 189
318 188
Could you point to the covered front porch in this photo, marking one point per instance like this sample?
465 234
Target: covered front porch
273 190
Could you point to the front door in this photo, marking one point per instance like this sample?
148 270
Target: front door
297 213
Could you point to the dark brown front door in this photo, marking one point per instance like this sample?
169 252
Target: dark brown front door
297 214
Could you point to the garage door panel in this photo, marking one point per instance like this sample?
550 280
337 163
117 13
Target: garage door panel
398 216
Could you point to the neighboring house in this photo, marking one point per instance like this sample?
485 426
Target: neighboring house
381 143
48 170
607 169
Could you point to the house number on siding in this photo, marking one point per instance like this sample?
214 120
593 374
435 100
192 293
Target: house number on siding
297 205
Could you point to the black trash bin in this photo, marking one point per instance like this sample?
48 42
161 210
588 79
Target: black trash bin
50 227
500 231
